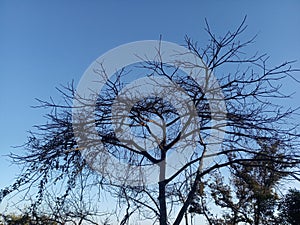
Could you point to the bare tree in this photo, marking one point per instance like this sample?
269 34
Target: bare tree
248 85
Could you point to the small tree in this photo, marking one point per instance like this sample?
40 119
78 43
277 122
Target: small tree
249 195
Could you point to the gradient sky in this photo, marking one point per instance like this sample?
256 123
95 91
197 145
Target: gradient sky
47 43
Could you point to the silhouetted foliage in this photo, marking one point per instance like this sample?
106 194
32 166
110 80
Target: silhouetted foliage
248 195
290 208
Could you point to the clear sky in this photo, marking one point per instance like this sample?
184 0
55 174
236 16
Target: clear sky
47 43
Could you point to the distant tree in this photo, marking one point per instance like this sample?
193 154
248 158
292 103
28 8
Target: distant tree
290 208
249 195
54 158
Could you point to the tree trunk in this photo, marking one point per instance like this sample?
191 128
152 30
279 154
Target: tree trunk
191 194
188 201
162 194
162 203
257 214
186 219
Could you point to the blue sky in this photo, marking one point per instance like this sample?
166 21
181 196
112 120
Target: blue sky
47 43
